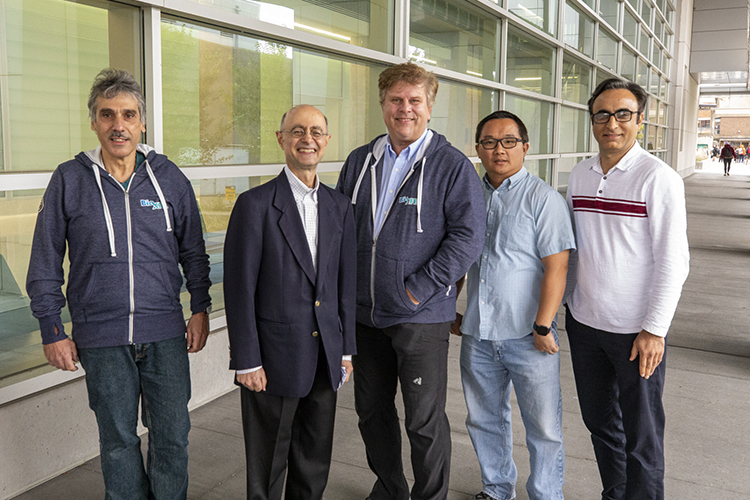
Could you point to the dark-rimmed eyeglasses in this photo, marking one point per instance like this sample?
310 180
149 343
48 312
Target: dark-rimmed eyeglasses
621 115
505 142
299 133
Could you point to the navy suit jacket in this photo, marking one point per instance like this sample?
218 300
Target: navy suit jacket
279 312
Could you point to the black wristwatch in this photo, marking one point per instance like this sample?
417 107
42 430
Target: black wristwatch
541 330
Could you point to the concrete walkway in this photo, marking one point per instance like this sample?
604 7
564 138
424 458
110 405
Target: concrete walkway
707 394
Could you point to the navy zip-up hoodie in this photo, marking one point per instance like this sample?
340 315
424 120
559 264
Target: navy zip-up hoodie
431 235
124 249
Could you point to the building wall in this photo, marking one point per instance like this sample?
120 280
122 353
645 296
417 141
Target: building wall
734 127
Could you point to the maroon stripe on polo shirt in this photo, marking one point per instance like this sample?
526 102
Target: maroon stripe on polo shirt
609 206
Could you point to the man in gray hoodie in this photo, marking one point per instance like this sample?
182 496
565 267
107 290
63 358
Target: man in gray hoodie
129 219
420 217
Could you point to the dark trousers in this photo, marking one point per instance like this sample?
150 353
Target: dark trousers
727 164
289 436
622 410
416 355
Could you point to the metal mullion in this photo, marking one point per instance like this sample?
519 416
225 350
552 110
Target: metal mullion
4 94
401 28
152 77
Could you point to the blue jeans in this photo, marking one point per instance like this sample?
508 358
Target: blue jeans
157 374
487 370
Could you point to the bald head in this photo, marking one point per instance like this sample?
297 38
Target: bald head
301 106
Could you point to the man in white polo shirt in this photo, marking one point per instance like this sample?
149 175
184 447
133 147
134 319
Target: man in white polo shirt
624 284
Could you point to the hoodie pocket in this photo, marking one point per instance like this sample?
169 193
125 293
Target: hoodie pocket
390 287
153 292
106 296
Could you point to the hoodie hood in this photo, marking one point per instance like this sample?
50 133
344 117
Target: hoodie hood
375 151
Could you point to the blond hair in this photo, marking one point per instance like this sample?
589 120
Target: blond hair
408 73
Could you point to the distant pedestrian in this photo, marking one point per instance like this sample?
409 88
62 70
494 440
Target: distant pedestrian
715 153
727 154
741 154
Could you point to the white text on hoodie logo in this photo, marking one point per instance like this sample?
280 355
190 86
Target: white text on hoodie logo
155 205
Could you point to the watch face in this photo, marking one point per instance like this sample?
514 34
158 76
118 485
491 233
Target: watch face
541 330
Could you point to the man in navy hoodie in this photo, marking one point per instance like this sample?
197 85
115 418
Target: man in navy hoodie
420 217
129 218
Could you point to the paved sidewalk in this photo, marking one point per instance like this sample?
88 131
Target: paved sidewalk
707 394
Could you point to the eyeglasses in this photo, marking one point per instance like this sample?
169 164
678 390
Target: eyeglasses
621 115
299 133
506 142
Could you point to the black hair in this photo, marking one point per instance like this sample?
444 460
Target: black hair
501 115
617 84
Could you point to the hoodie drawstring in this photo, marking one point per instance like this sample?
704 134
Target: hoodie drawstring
419 197
161 195
359 179
107 215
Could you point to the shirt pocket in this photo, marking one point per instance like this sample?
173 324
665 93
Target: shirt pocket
517 233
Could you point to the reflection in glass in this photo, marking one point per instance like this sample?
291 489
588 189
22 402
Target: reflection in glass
20 340
574 130
654 87
645 44
659 28
458 108
662 113
660 138
651 142
630 28
540 13
576 81
224 95
607 50
652 110
453 35
540 168
609 10
564 167
643 72
54 51
364 23
629 60
646 12
578 31
537 116
530 63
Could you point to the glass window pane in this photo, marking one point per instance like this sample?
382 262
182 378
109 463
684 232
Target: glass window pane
453 35
643 72
654 88
224 95
54 51
530 63
590 3
576 81
574 130
537 116
646 12
662 88
630 28
457 110
578 31
607 50
540 168
564 167
19 330
656 59
629 60
660 138
602 75
540 13
662 114
364 23
651 142
645 43
652 110
609 10
634 3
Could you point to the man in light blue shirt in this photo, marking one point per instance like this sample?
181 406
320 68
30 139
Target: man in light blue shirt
514 291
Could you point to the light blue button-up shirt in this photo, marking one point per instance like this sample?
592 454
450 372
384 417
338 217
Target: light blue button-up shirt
526 221
395 169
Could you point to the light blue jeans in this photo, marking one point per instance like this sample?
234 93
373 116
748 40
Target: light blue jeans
487 370
158 375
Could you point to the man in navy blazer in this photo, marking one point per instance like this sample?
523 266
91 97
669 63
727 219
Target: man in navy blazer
289 288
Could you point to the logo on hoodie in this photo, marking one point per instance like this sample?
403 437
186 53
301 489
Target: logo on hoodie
407 201
155 205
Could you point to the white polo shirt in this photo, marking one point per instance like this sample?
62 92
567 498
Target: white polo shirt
631 236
